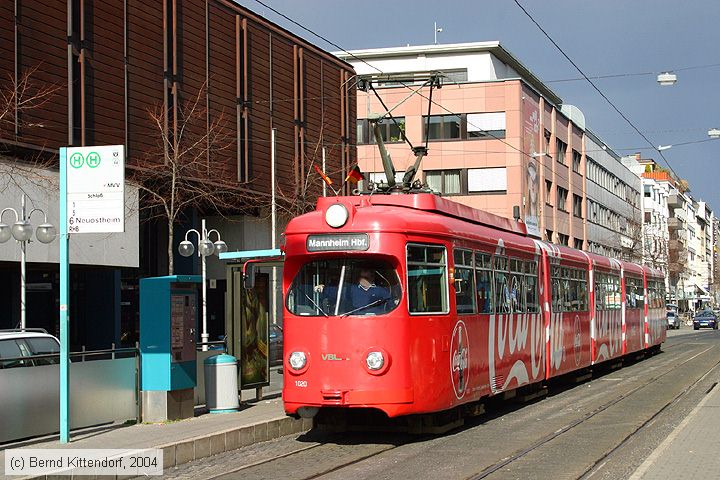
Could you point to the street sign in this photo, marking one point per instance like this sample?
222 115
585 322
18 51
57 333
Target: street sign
92 200
96 189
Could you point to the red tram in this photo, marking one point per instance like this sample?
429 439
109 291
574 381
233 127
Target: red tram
411 304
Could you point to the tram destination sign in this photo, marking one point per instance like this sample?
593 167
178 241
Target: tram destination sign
96 189
338 242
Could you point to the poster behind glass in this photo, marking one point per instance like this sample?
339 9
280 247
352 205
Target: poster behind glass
254 351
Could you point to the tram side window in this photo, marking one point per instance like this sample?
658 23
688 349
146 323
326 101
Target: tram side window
607 292
634 297
484 283
464 281
600 293
531 287
630 302
502 287
427 279
655 294
569 289
639 293
556 290
517 285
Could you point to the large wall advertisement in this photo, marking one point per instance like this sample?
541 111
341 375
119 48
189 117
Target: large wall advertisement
531 167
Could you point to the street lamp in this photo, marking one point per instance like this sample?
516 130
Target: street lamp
667 79
21 231
205 248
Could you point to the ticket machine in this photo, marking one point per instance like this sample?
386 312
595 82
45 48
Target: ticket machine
168 336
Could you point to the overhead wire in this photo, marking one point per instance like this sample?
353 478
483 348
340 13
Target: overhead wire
610 102
531 155
634 74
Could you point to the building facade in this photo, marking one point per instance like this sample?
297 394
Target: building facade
679 236
115 62
498 138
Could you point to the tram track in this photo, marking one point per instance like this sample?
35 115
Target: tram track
338 455
599 463
603 408
328 449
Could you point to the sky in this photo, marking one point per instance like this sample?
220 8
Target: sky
603 37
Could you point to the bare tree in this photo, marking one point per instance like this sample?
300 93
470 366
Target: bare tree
18 98
632 249
185 171
302 197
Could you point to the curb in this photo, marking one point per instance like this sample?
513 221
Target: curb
185 451
176 454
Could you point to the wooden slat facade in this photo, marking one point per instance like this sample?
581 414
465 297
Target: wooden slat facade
118 60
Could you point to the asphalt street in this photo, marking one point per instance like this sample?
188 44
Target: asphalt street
600 429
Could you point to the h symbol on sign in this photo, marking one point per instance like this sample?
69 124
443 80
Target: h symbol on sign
77 160
93 159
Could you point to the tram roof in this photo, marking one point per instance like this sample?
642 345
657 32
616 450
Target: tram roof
429 202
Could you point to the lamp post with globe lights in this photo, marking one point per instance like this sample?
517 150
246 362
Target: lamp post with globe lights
22 231
205 248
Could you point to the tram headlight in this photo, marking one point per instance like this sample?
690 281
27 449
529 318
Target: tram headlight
375 360
297 360
336 215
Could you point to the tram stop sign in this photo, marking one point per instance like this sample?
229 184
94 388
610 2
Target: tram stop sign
96 189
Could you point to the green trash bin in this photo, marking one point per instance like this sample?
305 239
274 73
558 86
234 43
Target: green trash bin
221 384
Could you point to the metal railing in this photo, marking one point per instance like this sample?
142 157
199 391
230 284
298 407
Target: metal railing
106 354
104 389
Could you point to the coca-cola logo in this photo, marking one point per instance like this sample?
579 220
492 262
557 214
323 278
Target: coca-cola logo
460 359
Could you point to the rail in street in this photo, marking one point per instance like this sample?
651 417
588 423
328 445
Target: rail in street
604 428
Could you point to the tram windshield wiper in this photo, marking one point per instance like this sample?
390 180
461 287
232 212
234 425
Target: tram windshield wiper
371 304
316 305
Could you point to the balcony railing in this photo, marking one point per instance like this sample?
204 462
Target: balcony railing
675 223
676 201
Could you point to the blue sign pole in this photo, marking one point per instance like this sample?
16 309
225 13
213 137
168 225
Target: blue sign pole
64 305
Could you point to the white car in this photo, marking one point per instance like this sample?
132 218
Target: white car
30 342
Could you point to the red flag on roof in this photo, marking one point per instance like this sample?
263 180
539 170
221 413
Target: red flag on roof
325 178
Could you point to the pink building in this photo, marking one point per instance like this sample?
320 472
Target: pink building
498 137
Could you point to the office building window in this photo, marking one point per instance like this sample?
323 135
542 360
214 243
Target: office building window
577 206
547 141
561 150
578 243
549 235
487 180
486 125
468 126
548 192
443 127
576 161
447 182
391 132
561 201
563 239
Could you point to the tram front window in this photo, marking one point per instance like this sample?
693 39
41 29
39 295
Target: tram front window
344 287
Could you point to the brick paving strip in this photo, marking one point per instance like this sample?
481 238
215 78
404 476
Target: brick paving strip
690 452
191 439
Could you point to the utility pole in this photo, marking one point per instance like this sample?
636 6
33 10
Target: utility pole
273 215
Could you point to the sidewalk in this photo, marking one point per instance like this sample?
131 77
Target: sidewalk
187 440
691 450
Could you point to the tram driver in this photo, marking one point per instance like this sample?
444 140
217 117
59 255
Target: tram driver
368 297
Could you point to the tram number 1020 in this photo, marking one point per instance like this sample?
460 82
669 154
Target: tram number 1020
301 383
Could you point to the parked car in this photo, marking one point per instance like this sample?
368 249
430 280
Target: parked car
673 321
706 319
276 345
18 343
